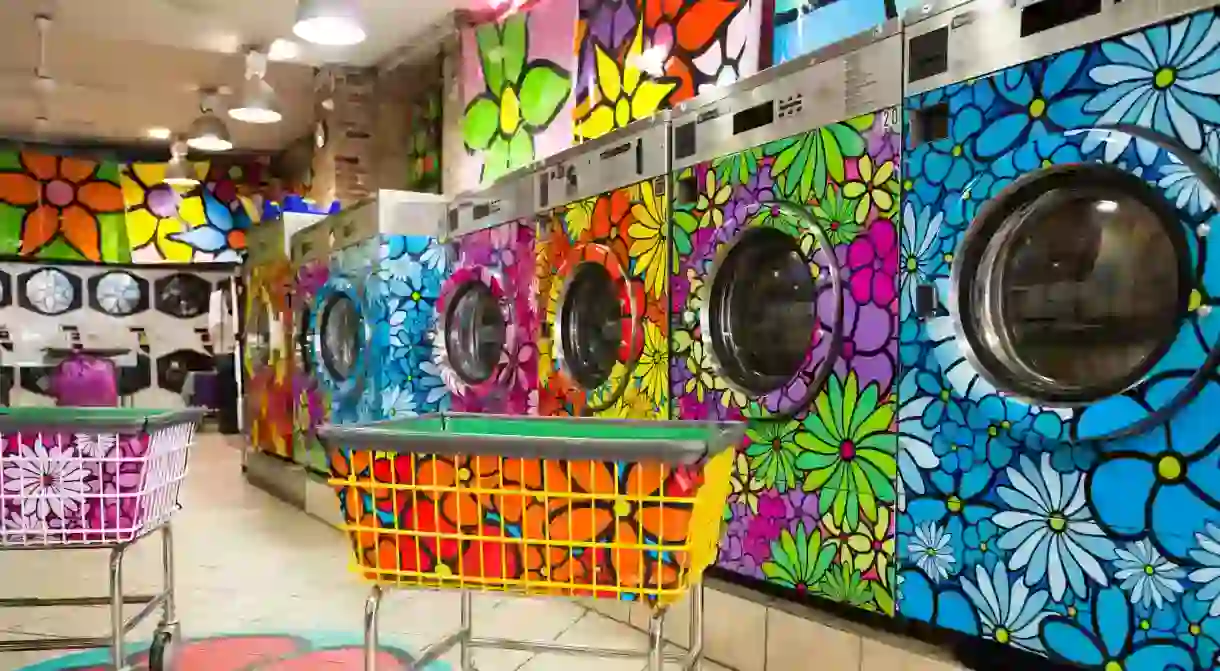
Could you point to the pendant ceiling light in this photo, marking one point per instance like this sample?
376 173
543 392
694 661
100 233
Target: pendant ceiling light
179 173
208 131
329 22
258 104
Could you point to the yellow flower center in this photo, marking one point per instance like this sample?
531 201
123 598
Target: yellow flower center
912 264
1164 78
463 474
1145 625
622 508
443 571
1149 570
954 504
1195 629
510 112
414 295
622 112
1113 666
1170 468
1196 299
1037 108
1001 635
1057 522
957 150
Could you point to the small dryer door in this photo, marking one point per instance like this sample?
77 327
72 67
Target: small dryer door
475 327
772 312
341 337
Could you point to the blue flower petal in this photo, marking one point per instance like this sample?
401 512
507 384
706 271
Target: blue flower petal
1119 491
1113 615
1161 656
1067 641
217 214
1001 134
202 238
1177 514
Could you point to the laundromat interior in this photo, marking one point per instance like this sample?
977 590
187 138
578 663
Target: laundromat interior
526 335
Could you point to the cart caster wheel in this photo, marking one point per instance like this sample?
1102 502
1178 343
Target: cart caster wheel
161 653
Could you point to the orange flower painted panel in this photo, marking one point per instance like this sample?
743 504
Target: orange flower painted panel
574 528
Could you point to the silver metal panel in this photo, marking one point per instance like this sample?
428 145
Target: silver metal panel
627 156
985 35
265 242
294 222
410 212
859 75
311 244
509 199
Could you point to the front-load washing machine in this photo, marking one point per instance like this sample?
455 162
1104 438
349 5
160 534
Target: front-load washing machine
602 278
267 359
376 314
310 258
1060 445
785 313
485 348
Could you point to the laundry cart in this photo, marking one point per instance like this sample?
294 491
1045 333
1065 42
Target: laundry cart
560 506
94 478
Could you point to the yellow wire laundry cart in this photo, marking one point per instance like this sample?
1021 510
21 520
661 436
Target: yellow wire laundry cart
95 478
559 506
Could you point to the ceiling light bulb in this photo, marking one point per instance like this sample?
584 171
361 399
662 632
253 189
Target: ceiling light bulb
209 133
179 172
328 22
158 133
258 104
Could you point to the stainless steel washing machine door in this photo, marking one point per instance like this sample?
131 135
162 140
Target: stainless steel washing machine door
1071 288
475 332
773 311
341 338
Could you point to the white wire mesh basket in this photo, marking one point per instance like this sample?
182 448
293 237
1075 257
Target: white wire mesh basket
87 476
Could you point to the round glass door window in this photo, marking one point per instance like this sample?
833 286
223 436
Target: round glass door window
1073 285
591 325
304 350
341 334
258 335
762 312
475 333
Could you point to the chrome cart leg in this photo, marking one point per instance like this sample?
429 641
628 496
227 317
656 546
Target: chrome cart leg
372 606
694 658
117 655
169 611
465 650
656 641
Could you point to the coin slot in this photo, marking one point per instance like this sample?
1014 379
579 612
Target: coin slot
928 54
1047 14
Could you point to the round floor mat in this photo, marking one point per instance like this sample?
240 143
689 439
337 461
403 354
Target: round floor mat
250 652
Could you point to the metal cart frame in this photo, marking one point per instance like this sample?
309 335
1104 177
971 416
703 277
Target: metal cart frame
167 628
466 643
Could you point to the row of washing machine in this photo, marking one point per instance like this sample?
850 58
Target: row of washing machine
956 274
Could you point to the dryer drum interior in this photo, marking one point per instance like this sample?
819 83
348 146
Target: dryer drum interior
341 336
762 313
1072 284
475 333
592 336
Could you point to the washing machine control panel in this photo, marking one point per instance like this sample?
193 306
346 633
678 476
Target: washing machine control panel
852 77
638 152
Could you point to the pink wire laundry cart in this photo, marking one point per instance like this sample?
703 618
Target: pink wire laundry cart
95 478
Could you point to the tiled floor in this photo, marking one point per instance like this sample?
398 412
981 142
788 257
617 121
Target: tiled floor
248 563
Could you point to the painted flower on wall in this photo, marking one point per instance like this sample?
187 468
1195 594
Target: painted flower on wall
154 211
222 233
520 98
624 93
61 207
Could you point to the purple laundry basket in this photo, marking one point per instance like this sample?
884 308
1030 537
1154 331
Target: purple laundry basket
85 379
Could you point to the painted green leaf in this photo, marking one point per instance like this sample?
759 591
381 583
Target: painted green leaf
495 160
10 225
514 47
113 228
10 161
520 150
491 54
544 90
480 122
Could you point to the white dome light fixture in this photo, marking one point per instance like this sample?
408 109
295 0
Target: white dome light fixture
179 173
332 23
258 104
208 131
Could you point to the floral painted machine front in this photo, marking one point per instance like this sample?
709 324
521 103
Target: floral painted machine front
268 359
309 259
485 344
375 321
1059 335
602 277
784 308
